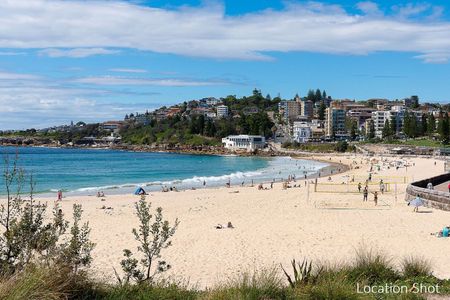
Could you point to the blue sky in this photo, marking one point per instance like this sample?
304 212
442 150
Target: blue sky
98 60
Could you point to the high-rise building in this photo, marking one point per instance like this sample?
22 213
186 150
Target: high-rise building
334 121
380 118
307 109
289 109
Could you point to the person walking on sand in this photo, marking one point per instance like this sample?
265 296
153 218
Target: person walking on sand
59 195
365 193
375 198
359 187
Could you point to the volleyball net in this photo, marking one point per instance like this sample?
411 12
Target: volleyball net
351 187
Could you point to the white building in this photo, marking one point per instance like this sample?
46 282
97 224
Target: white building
211 115
212 101
379 119
302 132
395 115
222 111
244 142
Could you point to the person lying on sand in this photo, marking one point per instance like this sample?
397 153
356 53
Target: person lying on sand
220 226
443 233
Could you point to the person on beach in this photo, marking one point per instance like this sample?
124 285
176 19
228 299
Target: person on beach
365 193
204 182
271 185
375 198
382 187
359 187
430 186
59 195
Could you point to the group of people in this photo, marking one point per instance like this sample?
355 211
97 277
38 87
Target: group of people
366 193
166 189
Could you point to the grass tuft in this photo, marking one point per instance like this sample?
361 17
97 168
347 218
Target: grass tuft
372 267
416 267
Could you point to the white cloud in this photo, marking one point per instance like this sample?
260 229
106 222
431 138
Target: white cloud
11 53
28 101
17 76
168 82
91 27
77 52
435 58
125 70
369 8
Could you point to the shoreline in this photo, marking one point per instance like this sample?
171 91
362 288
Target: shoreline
331 169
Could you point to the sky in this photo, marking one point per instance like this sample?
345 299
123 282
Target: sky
97 60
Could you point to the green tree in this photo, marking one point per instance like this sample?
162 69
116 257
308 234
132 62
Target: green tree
311 96
407 124
318 95
153 236
393 124
414 128
424 125
443 127
77 251
321 111
386 133
324 95
341 146
431 124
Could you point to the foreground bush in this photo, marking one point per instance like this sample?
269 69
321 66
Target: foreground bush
263 284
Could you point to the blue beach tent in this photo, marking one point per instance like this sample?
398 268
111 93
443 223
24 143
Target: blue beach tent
139 191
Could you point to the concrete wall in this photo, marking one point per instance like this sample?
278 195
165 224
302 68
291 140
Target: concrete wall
432 198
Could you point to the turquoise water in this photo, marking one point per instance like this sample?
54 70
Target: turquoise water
86 171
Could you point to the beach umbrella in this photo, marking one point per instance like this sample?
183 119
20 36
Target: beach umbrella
416 202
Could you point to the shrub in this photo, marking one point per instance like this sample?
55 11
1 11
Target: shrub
334 287
341 146
372 268
263 284
303 273
416 267
153 238
36 283
76 252
25 235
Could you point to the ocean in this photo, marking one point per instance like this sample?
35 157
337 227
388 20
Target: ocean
87 171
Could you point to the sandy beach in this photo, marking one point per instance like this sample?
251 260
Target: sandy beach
276 225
